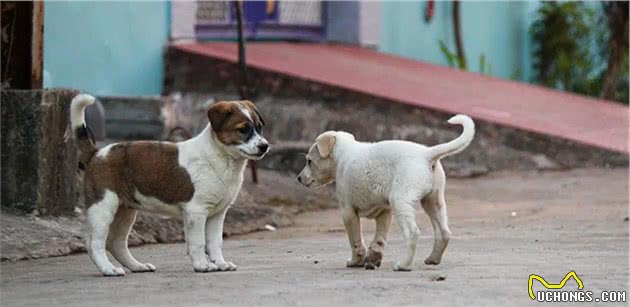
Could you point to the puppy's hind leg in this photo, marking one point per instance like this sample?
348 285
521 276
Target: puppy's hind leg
117 240
405 214
434 205
100 215
377 247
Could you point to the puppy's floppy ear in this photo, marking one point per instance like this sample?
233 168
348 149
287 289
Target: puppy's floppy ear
218 114
325 143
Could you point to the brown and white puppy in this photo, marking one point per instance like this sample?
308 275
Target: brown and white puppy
385 179
197 179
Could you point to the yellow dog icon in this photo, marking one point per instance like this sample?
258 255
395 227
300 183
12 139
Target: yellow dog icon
553 286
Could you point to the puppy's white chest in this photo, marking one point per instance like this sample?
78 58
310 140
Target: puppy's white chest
217 191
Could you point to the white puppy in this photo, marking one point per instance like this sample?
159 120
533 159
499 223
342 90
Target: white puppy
197 179
376 180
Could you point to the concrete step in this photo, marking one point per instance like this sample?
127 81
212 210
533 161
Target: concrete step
134 117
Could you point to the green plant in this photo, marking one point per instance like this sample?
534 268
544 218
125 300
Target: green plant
451 57
454 60
570 49
561 35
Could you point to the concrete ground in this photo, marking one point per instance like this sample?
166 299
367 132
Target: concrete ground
505 226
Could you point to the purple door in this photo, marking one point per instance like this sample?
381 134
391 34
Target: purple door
264 20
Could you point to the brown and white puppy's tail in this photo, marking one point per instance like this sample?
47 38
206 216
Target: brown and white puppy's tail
83 134
440 151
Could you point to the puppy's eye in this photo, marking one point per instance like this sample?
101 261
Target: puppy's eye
259 129
245 130
308 162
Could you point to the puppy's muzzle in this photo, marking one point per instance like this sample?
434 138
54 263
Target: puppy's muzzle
262 149
304 182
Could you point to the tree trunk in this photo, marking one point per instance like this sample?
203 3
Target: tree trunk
617 14
459 45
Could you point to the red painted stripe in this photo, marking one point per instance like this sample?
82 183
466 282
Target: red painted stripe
578 118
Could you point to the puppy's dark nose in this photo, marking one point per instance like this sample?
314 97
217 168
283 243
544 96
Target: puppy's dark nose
299 179
263 147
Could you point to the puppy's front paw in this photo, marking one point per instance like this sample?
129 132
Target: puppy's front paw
373 260
402 268
355 263
114 272
145 267
432 260
372 266
205 267
226 266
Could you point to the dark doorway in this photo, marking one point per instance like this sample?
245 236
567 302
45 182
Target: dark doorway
22 44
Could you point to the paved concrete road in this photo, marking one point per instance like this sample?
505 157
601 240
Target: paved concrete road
506 226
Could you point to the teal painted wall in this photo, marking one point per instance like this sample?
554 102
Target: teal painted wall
105 48
499 30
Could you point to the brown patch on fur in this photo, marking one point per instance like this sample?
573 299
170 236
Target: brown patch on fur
150 168
226 119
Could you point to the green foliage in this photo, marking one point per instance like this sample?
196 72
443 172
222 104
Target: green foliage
570 42
561 55
454 61
451 57
517 75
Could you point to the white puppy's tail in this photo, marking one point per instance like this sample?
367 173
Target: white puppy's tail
83 135
460 143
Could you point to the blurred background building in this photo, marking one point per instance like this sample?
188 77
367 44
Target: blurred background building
116 48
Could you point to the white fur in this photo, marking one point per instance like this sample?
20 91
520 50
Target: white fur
77 109
109 233
152 204
378 180
103 152
217 178
100 216
458 144
246 112
217 175
251 147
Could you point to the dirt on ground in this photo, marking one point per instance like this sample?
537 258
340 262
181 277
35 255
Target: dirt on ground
505 227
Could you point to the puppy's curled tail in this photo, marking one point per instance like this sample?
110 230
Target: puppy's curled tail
460 143
83 134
